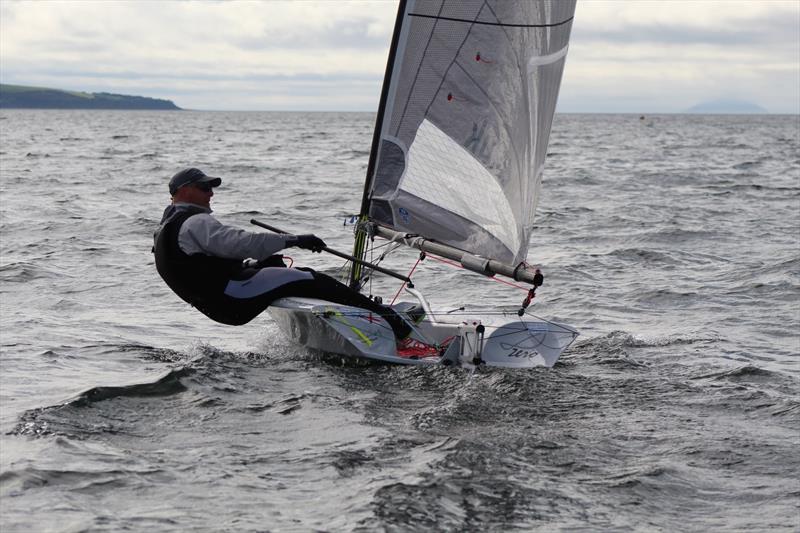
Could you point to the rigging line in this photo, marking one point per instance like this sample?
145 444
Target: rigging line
379 246
564 330
343 273
381 258
498 337
503 24
364 313
408 276
385 253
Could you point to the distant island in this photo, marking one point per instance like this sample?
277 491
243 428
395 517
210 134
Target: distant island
727 107
21 96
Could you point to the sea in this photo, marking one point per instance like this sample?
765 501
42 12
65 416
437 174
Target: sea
671 242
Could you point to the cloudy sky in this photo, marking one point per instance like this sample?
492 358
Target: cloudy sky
625 55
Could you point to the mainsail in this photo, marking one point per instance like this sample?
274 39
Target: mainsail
465 117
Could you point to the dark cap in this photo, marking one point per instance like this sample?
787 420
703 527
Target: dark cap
188 176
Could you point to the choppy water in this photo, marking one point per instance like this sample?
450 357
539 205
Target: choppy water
672 243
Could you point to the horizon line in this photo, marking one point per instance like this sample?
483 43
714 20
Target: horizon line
640 113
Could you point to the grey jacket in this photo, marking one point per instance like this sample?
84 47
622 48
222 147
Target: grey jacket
204 234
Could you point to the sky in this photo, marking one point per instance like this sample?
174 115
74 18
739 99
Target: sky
632 56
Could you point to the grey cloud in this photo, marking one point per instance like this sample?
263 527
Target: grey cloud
765 30
67 43
351 34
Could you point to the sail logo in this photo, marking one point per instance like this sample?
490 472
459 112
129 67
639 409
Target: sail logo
519 352
404 215
523 354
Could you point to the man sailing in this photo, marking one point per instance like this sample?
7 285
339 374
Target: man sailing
232 275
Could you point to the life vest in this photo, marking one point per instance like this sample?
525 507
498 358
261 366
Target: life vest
198 279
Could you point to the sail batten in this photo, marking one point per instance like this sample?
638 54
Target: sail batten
498 23
463 133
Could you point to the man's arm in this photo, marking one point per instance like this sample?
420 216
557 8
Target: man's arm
205 234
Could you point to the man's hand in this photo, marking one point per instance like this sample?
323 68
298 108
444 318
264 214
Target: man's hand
309 242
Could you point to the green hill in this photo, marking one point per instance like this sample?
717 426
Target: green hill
21 96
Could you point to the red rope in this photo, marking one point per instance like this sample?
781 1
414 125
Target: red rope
404 283
451 263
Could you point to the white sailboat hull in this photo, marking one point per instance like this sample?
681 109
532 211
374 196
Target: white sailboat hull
354 332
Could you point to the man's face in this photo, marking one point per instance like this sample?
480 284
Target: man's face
195 193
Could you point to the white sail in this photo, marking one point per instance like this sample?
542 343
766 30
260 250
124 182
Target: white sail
454 170
466 120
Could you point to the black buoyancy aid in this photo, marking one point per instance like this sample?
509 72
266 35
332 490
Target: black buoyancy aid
198 279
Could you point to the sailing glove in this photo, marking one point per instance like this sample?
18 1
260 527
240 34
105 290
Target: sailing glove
307 242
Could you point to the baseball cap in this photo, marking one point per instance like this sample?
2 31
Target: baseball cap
188 176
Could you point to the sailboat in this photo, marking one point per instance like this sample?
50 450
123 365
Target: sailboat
455 171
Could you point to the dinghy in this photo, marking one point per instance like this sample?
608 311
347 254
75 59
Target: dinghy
455 171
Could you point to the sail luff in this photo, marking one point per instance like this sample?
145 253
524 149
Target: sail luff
359 246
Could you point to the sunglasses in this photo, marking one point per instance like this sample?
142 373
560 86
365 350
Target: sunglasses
203 186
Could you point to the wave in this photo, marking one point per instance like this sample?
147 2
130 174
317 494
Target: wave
165 386
354 154
89 481
69 419
208 368
673 235
786 266
641 255
730 187
25 271
667 299
610 347
248 213
240 168
777 289
746 165
747 373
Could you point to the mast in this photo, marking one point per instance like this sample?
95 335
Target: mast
359 246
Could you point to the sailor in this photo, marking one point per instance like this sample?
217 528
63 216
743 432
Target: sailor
232 275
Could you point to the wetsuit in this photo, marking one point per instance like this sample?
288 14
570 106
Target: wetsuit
201 261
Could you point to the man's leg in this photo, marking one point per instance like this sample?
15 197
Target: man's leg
325 287
250 298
